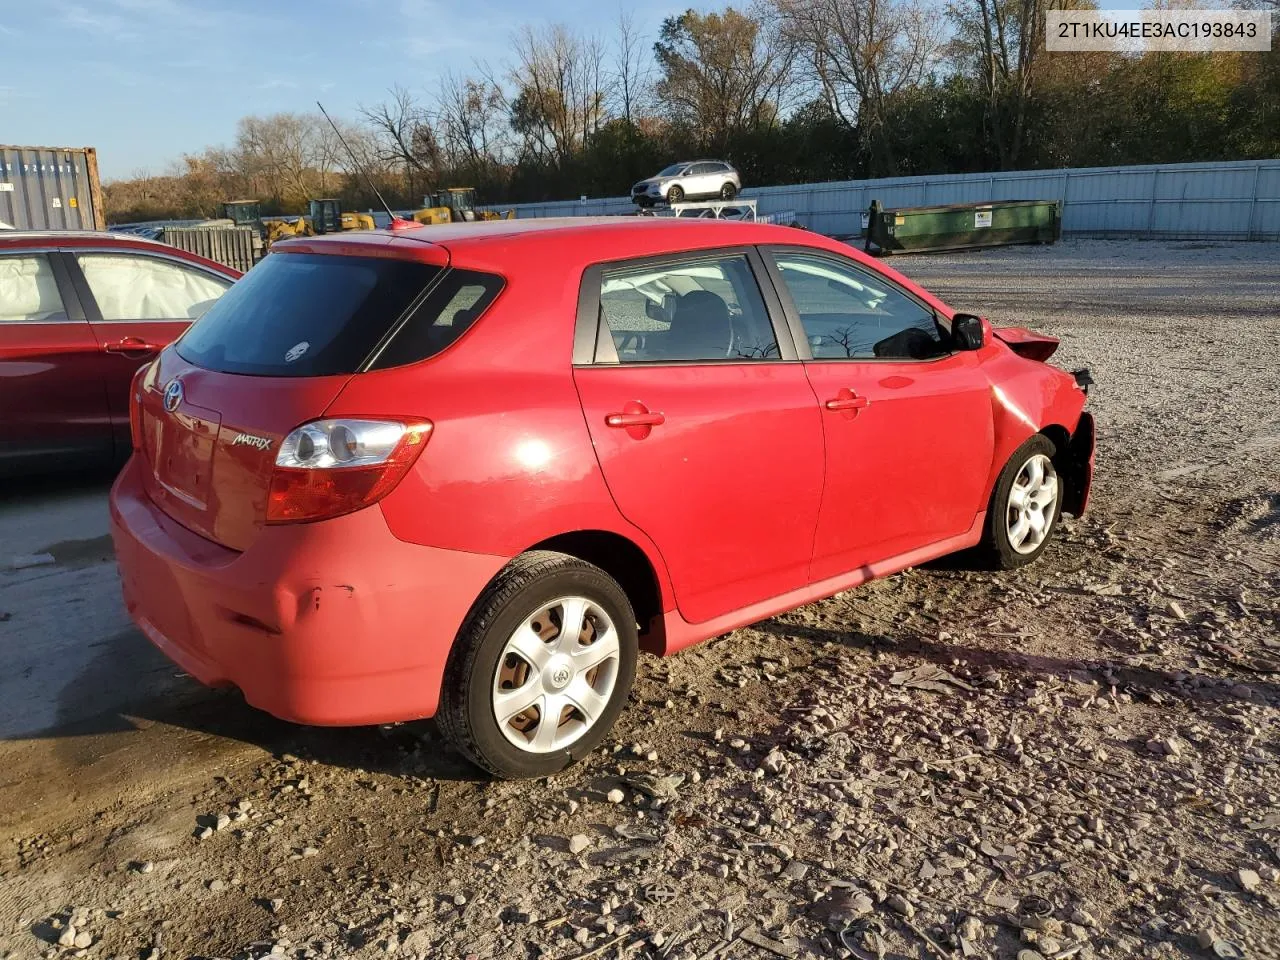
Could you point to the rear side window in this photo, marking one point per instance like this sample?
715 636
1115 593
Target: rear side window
137 287
446 314
306 315
28 291
699 310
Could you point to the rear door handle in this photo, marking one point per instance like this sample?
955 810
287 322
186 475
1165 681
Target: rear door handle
634 420
131 345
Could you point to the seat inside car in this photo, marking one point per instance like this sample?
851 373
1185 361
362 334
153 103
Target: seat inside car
700 328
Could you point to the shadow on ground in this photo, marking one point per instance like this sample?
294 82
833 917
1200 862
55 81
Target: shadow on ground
1138 679
154 692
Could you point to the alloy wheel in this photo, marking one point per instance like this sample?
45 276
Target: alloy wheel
1033 499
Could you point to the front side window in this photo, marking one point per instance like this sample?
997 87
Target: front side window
29 291
849 313
699 310
134 287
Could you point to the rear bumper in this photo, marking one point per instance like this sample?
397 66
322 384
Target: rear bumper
334 623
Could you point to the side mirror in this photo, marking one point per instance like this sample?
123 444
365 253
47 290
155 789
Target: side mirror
966 332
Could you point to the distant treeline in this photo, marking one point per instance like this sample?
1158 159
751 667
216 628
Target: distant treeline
790 91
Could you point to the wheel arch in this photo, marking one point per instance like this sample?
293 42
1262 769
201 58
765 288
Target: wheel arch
640 577
1058 435
1072 458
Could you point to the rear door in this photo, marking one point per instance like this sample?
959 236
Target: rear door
706 180
703 422
52 397
137 303
907 422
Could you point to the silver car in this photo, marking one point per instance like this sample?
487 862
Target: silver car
689 180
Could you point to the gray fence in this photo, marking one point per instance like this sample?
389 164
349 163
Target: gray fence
233 246
1186 201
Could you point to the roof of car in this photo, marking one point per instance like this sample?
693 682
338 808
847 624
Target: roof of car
109 239
560 229
51 236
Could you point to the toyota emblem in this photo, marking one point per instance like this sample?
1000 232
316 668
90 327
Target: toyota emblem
173 395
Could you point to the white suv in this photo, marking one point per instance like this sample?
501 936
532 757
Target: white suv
689 180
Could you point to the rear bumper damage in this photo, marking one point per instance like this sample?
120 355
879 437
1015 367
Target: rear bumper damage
335 623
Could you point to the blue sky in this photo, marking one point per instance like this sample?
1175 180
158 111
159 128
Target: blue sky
145 81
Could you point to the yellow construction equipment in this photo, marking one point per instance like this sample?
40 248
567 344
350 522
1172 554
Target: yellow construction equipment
322 216
455 205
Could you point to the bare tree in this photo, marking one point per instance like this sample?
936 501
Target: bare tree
1004 41
723 72
471 116
632 77
862 53
405 137
561 96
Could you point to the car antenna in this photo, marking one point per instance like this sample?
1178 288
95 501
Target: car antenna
397 223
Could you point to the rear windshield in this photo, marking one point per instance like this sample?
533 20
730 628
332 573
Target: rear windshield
305 315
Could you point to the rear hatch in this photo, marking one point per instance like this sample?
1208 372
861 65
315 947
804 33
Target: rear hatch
273 353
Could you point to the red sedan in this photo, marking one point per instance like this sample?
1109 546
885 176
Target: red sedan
467 471
79 312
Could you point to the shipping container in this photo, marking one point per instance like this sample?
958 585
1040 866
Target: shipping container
50 188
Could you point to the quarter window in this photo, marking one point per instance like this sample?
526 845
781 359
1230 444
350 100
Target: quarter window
132 287
849 313
29 291
703 310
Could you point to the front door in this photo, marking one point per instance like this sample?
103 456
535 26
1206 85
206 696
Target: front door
704 425
137 304
907 422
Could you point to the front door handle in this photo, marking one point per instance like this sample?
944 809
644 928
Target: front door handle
130 346
634 420
637 419
846 399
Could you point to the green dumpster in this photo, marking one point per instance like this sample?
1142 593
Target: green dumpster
961 226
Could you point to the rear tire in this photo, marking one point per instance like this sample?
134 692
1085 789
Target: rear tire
1024 509
728 191
508 661
675 194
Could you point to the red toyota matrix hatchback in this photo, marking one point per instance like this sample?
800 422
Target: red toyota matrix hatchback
468 471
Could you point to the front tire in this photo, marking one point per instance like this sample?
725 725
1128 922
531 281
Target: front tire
1025 506
675 194
541 668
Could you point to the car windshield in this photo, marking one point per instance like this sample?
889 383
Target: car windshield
672 170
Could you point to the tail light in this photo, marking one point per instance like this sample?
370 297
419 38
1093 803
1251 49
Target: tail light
330 467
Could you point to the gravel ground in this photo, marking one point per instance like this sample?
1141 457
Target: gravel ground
1080 759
